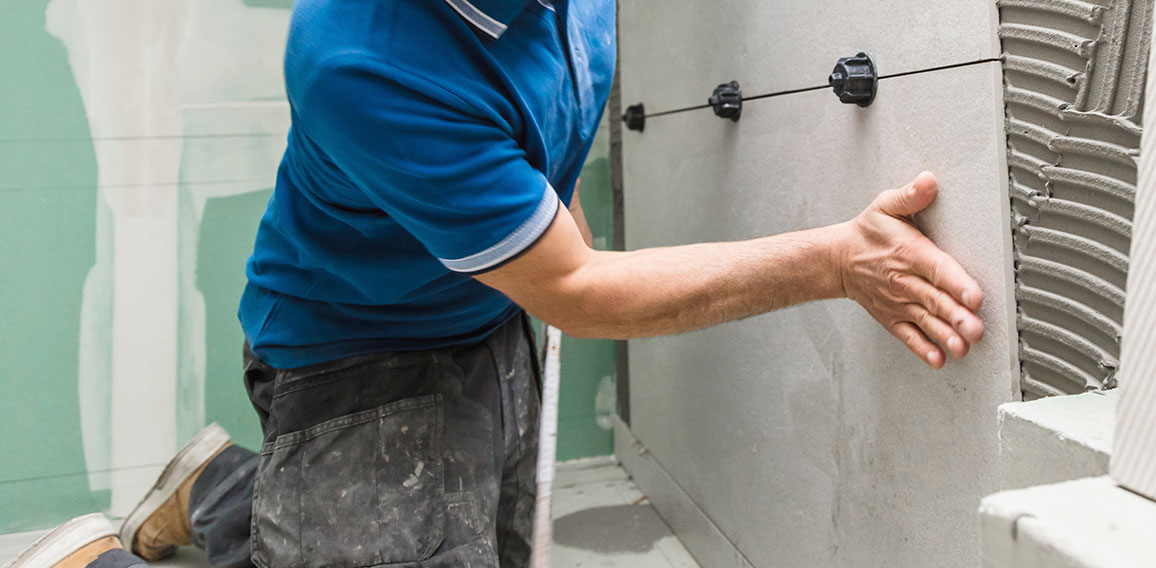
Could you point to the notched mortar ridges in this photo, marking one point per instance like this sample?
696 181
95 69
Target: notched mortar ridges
1073 142
1108 328
1064 41
1104 361
1105 185
1077 216
1103 256
1076 9
1034 100
1060 278
1058 371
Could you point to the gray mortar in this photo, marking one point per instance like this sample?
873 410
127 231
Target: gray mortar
1074 75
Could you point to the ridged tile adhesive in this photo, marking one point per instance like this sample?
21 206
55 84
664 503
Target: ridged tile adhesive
1074 75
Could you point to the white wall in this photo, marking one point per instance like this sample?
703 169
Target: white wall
181 96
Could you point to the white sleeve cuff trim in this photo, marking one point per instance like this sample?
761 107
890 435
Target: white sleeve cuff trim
521 239
478 18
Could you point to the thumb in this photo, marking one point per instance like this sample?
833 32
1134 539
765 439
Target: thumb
910 199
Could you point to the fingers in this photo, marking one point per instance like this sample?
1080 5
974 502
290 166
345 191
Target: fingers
944 307
910 199
935 299
919 344
942 271
938 330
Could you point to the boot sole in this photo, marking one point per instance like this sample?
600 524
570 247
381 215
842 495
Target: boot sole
203 446
64 540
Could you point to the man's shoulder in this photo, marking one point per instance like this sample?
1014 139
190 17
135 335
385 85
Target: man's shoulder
393 38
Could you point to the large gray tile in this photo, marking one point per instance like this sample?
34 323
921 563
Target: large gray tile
673 54
810 436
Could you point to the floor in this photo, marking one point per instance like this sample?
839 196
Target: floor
600 520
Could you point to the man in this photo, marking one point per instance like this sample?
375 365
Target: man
420 207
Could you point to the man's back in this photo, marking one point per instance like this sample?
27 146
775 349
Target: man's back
423 149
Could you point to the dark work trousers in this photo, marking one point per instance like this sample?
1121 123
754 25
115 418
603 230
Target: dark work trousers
422 459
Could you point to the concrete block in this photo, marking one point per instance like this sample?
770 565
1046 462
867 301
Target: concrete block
1056 439
810 436
1089 523
673 54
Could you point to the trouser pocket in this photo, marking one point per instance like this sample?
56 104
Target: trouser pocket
365 489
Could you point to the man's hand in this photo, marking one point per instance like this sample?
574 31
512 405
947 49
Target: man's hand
917 292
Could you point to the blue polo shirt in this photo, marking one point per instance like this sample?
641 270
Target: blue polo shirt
431 140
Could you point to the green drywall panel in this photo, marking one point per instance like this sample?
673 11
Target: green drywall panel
48 207
586 400
227 230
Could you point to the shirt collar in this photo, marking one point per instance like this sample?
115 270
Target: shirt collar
490 17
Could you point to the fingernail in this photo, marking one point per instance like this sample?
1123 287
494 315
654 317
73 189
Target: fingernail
911 190
965 298
933 358
953 344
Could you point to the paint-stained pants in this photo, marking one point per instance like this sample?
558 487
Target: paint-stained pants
423 459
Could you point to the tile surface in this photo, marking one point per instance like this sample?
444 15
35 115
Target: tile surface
673 54
810 436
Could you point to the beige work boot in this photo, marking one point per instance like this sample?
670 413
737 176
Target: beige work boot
73 544
160 523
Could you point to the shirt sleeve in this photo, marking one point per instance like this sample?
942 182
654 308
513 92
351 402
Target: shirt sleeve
449 175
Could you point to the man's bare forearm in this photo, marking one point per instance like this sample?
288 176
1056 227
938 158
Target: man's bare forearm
677 289
880 259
